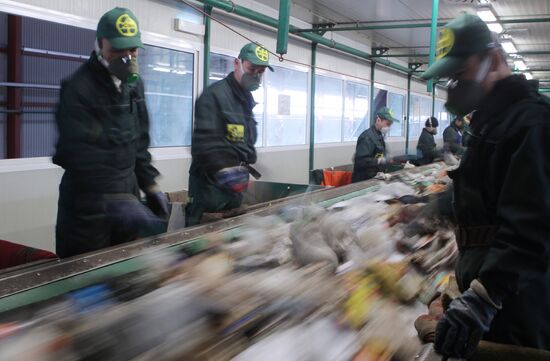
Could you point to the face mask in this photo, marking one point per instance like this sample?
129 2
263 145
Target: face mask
464 96
434 132
125 68
384 130
250 82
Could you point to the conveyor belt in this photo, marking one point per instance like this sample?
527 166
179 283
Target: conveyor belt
36 283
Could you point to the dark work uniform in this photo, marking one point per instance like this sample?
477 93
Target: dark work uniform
224 135
452 140
502 205
103 141
370 147
426 149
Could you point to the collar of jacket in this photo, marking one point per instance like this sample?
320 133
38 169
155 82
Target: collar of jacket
244 95
507 91
102 74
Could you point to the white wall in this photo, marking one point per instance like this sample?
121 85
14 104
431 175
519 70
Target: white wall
29 187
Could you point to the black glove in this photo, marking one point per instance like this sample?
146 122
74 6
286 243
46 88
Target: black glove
158 203
463 324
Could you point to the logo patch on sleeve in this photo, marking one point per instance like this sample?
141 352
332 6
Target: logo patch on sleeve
235 132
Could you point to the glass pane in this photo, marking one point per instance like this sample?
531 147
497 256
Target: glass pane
286 107
415 114
396 103
38 126
380 99
168 78
328 109
220 67
425 112
356 110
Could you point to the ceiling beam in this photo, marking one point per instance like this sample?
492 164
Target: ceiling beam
358 27
420 55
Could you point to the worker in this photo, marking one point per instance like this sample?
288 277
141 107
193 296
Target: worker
501 196
426 149
370 151
452 137
224 135
103 146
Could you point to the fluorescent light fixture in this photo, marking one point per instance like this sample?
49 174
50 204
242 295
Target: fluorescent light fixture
495 27
520 65
163 70
529 76
487 15
509 47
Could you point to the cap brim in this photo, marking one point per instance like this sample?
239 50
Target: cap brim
126 43
444 67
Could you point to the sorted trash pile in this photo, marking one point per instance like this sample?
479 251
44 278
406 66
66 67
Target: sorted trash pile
343 281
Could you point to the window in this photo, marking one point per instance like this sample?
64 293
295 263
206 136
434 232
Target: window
286 107
442 116
356 110
328 109
168 78
396 102
220 67
415 126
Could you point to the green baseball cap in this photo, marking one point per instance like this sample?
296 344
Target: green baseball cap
464 36
387 114
256 54
120 26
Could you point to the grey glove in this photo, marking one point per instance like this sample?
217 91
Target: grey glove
463 324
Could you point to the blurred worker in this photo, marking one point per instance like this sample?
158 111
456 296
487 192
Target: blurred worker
501 196
103 139
452 137
224 135
370 152
426 149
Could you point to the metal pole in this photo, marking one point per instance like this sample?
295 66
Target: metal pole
207 32
372 66
433 38
282 29
312 112
400 55
230 7
14 95
408 114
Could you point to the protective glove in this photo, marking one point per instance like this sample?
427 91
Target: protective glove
381 160
463 324
158 203
233 178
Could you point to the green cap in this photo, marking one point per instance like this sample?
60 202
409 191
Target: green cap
387 114
464 36
120 26
256 54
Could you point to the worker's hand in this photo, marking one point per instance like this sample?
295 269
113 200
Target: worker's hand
463 324
233 178
158 203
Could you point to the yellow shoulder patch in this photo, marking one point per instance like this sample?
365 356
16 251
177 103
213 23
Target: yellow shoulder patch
235 132
126 26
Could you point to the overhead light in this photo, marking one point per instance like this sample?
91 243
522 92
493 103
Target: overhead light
495 27
528 76
520 65
486 15
161 69
509 47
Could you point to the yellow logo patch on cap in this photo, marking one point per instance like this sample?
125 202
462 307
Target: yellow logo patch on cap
445 42
262 53
235 132
126 26
391 113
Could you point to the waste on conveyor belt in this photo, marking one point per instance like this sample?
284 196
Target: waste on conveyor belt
343 281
